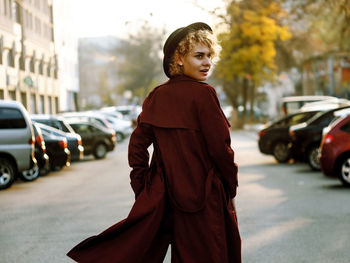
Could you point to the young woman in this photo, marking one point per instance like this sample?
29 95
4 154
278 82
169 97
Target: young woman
184 197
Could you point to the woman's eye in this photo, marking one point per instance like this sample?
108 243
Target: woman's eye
199 56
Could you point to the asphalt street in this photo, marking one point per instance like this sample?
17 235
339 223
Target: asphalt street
286 212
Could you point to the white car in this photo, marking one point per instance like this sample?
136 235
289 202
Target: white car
122 127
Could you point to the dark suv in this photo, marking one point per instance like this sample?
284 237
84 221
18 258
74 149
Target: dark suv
306 137
96 139
274 138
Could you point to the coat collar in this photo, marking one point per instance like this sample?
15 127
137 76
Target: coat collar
183 78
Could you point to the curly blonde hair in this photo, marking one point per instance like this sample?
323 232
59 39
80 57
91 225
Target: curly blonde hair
200 36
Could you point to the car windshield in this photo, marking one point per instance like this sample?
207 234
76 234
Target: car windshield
302 117
315 117
295 119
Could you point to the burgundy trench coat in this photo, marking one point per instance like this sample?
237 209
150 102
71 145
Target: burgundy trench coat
186 188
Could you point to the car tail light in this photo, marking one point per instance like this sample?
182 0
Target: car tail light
261 133
292 134
32 140
79 141
63 143
328 138
40 141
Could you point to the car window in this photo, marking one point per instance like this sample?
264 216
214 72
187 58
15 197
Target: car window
64 127
81 128
93 129
11 119
346 127
100 122
55 125
299 118
325 119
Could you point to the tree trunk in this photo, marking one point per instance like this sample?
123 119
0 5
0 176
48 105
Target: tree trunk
231 89
245 90
252 101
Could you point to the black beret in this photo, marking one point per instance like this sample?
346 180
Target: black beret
175 38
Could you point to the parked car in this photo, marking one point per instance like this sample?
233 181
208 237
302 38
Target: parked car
130 112
40 155
87 116
274 137
122 127
16 142
306 137
74 142
57 122
56 148
97 140
335 150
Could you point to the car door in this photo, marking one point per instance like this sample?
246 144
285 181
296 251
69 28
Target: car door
87 137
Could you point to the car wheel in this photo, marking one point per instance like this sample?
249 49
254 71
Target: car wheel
31 174
313 158
47 170
344 171
281 152
100 151
119 136
7 173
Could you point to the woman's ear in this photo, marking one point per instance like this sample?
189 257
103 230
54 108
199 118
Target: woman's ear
179 61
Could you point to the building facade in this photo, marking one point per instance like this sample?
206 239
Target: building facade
28 61
328 74
66 48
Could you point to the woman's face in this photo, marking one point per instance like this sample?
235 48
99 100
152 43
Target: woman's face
196 63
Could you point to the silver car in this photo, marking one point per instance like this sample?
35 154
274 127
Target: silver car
16 143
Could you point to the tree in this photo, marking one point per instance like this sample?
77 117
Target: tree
140 66
325 22
248 48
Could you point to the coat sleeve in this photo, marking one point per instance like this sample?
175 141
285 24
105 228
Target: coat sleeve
216 131
140 140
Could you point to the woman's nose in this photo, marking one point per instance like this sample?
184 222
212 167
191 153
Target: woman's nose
207 61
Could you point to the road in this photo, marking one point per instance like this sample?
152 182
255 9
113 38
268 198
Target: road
286 212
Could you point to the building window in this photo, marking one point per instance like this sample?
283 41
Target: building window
18 13
48 71
24 99
1 94
10 59
42 104
50 105
33 104
41 67
12 94
31 65
57 105
21 63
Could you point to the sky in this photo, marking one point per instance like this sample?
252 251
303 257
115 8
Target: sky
96 18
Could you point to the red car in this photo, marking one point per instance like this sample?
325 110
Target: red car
335 150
